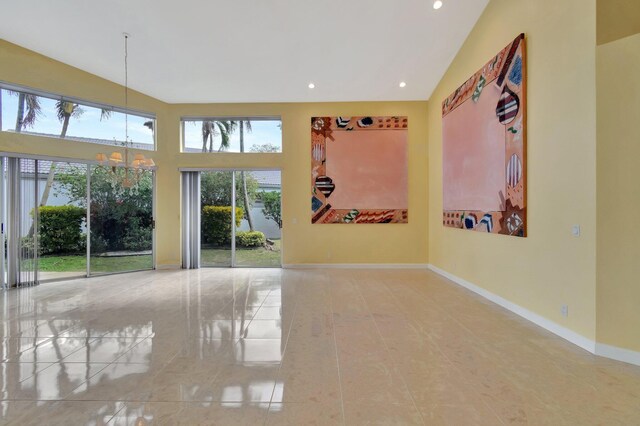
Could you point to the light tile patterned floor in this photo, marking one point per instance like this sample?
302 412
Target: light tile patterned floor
324 347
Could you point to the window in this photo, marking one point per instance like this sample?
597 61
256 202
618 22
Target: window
232 134
43 114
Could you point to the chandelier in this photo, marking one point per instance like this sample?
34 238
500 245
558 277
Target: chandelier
126 168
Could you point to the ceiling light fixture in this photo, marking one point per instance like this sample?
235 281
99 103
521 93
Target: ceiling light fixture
437 4
312 86
131 175
403 84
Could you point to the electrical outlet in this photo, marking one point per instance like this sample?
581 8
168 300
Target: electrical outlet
295 220
328 255
564 310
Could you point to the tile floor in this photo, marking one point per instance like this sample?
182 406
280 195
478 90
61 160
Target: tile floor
258 346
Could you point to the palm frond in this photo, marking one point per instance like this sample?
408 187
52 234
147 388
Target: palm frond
105 114
224 130
66 108
34 110
77 111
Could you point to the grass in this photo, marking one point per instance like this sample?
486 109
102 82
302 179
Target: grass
210 256
98 264
244 256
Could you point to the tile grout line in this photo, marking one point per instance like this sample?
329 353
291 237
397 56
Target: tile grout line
472 382
335 344
284 351
124 405
386 347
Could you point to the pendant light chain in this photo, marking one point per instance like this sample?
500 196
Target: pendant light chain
126 89
131 171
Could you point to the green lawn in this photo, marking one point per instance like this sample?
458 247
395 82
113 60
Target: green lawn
98 264
244 256
210 257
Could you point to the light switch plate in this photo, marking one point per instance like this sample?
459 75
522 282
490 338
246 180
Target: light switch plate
575 230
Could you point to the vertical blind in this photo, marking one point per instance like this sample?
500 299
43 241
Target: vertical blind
22 222
190 220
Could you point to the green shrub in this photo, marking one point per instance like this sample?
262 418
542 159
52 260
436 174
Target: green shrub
137 237
98 243
250 239
60 229
216 224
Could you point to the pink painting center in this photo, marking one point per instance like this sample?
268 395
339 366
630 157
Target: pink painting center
474 153
368 168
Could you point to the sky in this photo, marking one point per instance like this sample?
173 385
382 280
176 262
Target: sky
262 132
89 125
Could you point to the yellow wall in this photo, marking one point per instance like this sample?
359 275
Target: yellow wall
618 267
595 273
302 242
550 267
617 19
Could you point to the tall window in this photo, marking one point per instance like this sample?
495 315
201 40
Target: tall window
44 114
232 134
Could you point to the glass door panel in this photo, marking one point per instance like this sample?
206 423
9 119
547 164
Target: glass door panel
215 220
258 236
62 236
121 221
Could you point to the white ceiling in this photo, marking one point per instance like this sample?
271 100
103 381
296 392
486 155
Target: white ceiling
251 50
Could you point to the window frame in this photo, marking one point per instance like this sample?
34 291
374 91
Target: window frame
83 102
187 118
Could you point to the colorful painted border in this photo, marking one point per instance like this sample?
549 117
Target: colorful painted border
507 70
322 128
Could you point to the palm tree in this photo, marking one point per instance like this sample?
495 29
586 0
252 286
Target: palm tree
242 125
65 110
33 109
211 129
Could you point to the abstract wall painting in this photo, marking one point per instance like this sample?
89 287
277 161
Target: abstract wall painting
484 147
359 170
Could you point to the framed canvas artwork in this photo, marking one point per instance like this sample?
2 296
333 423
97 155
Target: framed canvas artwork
484 147
359 170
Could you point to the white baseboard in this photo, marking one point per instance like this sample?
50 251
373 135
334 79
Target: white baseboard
355 266
169 266
619 354
612 352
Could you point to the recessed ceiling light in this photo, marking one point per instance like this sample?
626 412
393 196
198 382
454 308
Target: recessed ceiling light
403 84
437 4
312 86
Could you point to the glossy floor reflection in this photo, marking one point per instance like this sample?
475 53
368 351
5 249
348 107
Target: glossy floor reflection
265 346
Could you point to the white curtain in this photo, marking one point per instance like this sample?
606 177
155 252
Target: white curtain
190 220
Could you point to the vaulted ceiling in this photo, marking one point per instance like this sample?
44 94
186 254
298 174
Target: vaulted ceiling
250 50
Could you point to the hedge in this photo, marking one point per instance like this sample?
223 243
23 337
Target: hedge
250 239
216 224
60 229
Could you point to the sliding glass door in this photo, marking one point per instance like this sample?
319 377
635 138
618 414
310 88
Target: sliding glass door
121 221
240 218
48 206
216 218
258 236
62 215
